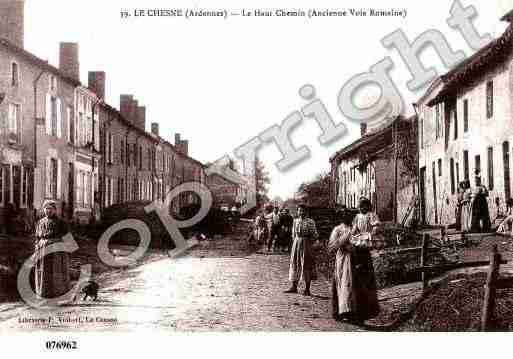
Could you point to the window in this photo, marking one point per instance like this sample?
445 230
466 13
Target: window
466 170
53 116
128 154
505 160
489 99
465 115
140 158
478 164
421 130
438 115
14 123
439 168
107 191
15 79
149 159
457 173
455 121
87 188
1 185
122 154
53 177
80 189
24 187
490 168
453 187
121 190
71 125
110 149
53 83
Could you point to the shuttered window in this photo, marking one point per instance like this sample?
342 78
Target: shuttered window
465 115
453 187
489 99
466 170
490 168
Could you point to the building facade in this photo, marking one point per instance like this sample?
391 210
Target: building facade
465 129
60 140
369 168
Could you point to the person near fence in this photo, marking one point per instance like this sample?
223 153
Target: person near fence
480 215
51 270
344 306
274 231
304 234
506 225
459 205
466 207
260 229
365 236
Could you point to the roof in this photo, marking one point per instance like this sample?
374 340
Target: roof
488 57
369 138
38 62
508 17
75 82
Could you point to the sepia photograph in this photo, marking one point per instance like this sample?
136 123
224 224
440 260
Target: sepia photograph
280 168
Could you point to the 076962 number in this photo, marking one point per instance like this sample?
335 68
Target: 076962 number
58 345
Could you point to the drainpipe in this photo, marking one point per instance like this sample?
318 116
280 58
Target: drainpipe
35 127
127 155
98 101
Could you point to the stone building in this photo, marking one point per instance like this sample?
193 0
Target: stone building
59 139
37 101
368 167
465 126
225 192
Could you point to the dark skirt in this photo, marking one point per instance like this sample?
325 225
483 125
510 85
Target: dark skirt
480 215
364 284
51 273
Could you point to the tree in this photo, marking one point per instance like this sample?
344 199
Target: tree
262 181
315 193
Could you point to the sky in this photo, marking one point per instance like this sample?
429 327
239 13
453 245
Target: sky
221 82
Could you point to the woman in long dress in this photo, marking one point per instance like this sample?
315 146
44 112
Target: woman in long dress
365 237
51 270
304 234
466 208
480 215
343 296
459 205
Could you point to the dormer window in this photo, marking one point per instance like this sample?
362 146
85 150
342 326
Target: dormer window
15 76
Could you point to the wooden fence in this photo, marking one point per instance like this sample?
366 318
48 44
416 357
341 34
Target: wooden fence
493 281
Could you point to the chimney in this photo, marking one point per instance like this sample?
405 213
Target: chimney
155 128
177 139
140 117
125 106
363 129
185 147
68 60
96 83
12 21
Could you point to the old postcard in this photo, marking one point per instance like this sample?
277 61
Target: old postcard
274 166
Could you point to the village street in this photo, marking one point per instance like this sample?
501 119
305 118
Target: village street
219 285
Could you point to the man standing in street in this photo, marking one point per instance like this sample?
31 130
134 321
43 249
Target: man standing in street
275 228
304 233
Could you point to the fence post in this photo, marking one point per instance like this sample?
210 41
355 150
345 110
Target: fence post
423 260
490 289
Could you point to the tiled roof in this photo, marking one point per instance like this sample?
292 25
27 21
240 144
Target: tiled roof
488 57
368 138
